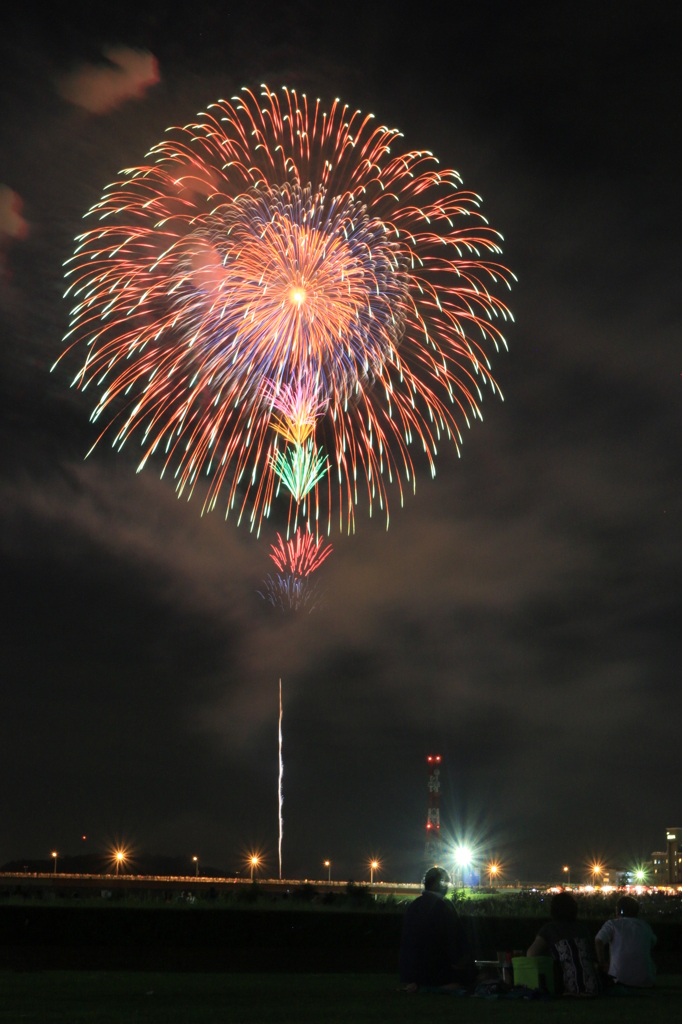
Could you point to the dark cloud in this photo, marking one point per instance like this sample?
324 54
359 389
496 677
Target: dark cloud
520 616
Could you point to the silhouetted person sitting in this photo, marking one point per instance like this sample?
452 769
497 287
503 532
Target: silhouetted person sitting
624 946
570 945
435 952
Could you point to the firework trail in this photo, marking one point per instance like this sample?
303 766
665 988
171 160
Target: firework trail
285 301
279 787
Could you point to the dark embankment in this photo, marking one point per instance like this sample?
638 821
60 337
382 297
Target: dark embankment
115 938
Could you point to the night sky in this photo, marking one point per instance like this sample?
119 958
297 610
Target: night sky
521 617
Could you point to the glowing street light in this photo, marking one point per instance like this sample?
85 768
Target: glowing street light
596 870
196 866
462 857
492 872
54 854
120 859
374 866
254 864
328 865
567 872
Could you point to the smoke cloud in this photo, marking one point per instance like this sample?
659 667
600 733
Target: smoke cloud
12 224
101 88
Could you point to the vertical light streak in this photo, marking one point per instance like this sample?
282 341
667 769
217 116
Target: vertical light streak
279 787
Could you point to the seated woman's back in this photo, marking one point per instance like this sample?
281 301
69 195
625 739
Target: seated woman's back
570 945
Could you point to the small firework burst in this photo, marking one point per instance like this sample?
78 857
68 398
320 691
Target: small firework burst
288 592
301 555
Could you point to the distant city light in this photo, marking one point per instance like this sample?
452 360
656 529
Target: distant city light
120 856
254 861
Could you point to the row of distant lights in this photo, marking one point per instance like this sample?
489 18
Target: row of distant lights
254 861
120 857
596 869
463 857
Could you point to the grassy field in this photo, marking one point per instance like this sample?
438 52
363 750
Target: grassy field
470 902
130 998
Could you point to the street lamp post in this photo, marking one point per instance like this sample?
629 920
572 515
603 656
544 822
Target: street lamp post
254 864
119 859
328 865
55 862
567 871
374 866
196 866
492 871
596 870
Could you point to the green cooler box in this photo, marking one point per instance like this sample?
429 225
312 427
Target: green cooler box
535 972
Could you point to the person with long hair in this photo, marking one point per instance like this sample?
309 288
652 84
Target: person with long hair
569 943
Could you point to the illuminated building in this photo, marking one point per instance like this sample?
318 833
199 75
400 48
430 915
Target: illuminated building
659 867
433 841
666 865
674 838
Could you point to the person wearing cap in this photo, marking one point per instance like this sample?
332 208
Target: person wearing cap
624 946
435 953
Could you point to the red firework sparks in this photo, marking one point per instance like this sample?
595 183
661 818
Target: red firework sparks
301 555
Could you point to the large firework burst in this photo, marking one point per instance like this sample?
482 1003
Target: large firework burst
287 299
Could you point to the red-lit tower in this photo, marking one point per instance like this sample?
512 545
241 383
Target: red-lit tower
433 845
